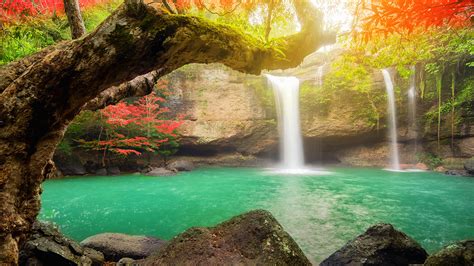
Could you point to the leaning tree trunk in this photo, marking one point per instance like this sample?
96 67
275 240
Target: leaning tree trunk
74 18
134 47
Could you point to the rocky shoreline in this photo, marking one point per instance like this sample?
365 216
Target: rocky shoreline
252 238
76 167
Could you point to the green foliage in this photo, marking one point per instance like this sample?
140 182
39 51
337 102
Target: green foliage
437 53
263 92
463 101
20 40
65 147
314 99
349 80
87 125
253 21
431 160
94 16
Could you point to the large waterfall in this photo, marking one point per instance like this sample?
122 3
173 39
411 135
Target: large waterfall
286 91
392 126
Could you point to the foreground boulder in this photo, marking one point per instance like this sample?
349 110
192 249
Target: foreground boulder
253 238
460 253
182 165
381 244
47 246
116 246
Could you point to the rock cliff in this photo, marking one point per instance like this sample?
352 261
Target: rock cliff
232 113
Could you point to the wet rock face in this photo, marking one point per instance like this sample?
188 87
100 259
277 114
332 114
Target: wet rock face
116 246
253 238
469 166
69 165
381 244
47 246
460 253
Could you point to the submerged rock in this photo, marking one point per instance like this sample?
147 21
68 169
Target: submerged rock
160 172
182 165
381 244
460 254
47 246
116 246
457 172
253 238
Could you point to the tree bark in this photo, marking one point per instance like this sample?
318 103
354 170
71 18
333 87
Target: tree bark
136 45
74 18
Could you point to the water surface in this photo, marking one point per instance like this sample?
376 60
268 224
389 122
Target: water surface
321 212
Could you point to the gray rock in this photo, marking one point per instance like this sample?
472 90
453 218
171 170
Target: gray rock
90 167
47 246
96 256
160 172
113 170
125 262
460 254
381 244
253 238
116 246
469 166
182 165
69 165
101 171
456 172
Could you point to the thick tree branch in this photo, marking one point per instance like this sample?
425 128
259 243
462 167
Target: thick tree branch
139 86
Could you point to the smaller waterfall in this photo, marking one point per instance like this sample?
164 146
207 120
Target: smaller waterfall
319 75
286 90
392 126
412 108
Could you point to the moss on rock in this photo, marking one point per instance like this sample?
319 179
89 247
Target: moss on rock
253 238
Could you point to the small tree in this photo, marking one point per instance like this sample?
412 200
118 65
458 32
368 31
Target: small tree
137 127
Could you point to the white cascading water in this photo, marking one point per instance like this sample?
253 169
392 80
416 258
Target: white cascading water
412 107
392 126
319 75
286 91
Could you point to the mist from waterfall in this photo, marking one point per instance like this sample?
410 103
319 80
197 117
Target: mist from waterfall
392 125
412 108
286 91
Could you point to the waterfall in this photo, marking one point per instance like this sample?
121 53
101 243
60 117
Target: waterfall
412 108
319 75
286 91
392 126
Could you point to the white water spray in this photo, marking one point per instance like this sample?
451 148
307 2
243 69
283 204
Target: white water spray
392 126
286 90
412 108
